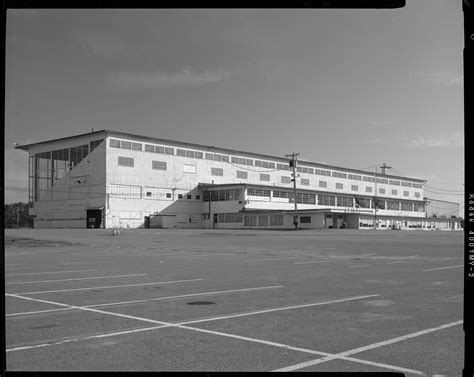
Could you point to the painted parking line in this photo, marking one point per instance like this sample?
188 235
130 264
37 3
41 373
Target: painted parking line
50 272
90 278
148 300
324 261
183 325
366 348
105 287
271 259
442 268
360 265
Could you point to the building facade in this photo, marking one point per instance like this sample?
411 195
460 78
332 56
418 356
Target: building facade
108 179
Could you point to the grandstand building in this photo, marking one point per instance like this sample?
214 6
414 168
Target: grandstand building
108 179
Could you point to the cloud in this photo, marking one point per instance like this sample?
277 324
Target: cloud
157 80
453 140
444 78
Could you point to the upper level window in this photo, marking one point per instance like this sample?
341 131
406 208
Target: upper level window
242 174
169 150
368 189
323 184
217 171
114 143
305 181
158 165
394 192
180 152
339 175
405 193
417 194
125 144
137 146
354 188
125 161
265 177
381 191
285 180
368 179
339 186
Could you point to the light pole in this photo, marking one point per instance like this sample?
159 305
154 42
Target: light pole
292 164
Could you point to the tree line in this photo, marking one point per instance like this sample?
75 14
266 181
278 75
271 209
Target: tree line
16 216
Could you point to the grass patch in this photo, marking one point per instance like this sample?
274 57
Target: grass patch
31 242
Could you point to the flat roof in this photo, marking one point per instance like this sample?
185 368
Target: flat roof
214 149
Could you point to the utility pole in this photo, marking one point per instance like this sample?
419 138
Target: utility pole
375 199
292 164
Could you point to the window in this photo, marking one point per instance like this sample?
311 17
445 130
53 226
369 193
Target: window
234 160
250 220
362 202
221 195
339 175
406 184
285 180
180 196
149 148
156 193
125 144
382 180
217 157
263 220
161 150
381 191
418 207
198 155
205 196
305 219
209 156
158 165
305 182
136 146
417 185
417 194
406 193
322 172
190 169
242 174
323 184
368 189
394 192
249 161
190 154
169 151
354 177
168 195
125 161
114 143
393 205
354 188
265 177
395 183
339 186
326 200
180 152
189 196
406 207
276 219
95 143
226 159
345 202
378 203
198 197
368 179
125 191
77 154
217 171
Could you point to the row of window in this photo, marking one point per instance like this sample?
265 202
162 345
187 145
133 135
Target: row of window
263 220
114 143
222 195
153 193
229 218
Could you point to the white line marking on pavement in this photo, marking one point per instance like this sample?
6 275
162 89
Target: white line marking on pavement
324 261
91 278
360 265
105 287
277 309
182 325
147 300
84 338
402 261
442 268
365 348
265 259
43 273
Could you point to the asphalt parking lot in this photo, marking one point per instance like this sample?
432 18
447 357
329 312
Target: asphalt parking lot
235 300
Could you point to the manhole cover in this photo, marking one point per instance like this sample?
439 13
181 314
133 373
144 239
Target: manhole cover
200 303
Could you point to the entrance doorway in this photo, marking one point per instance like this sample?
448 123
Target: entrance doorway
94 218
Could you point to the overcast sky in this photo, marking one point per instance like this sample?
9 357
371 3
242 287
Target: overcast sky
353 88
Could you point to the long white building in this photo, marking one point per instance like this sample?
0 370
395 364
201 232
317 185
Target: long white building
107 179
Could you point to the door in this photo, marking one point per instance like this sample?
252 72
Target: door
94 218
